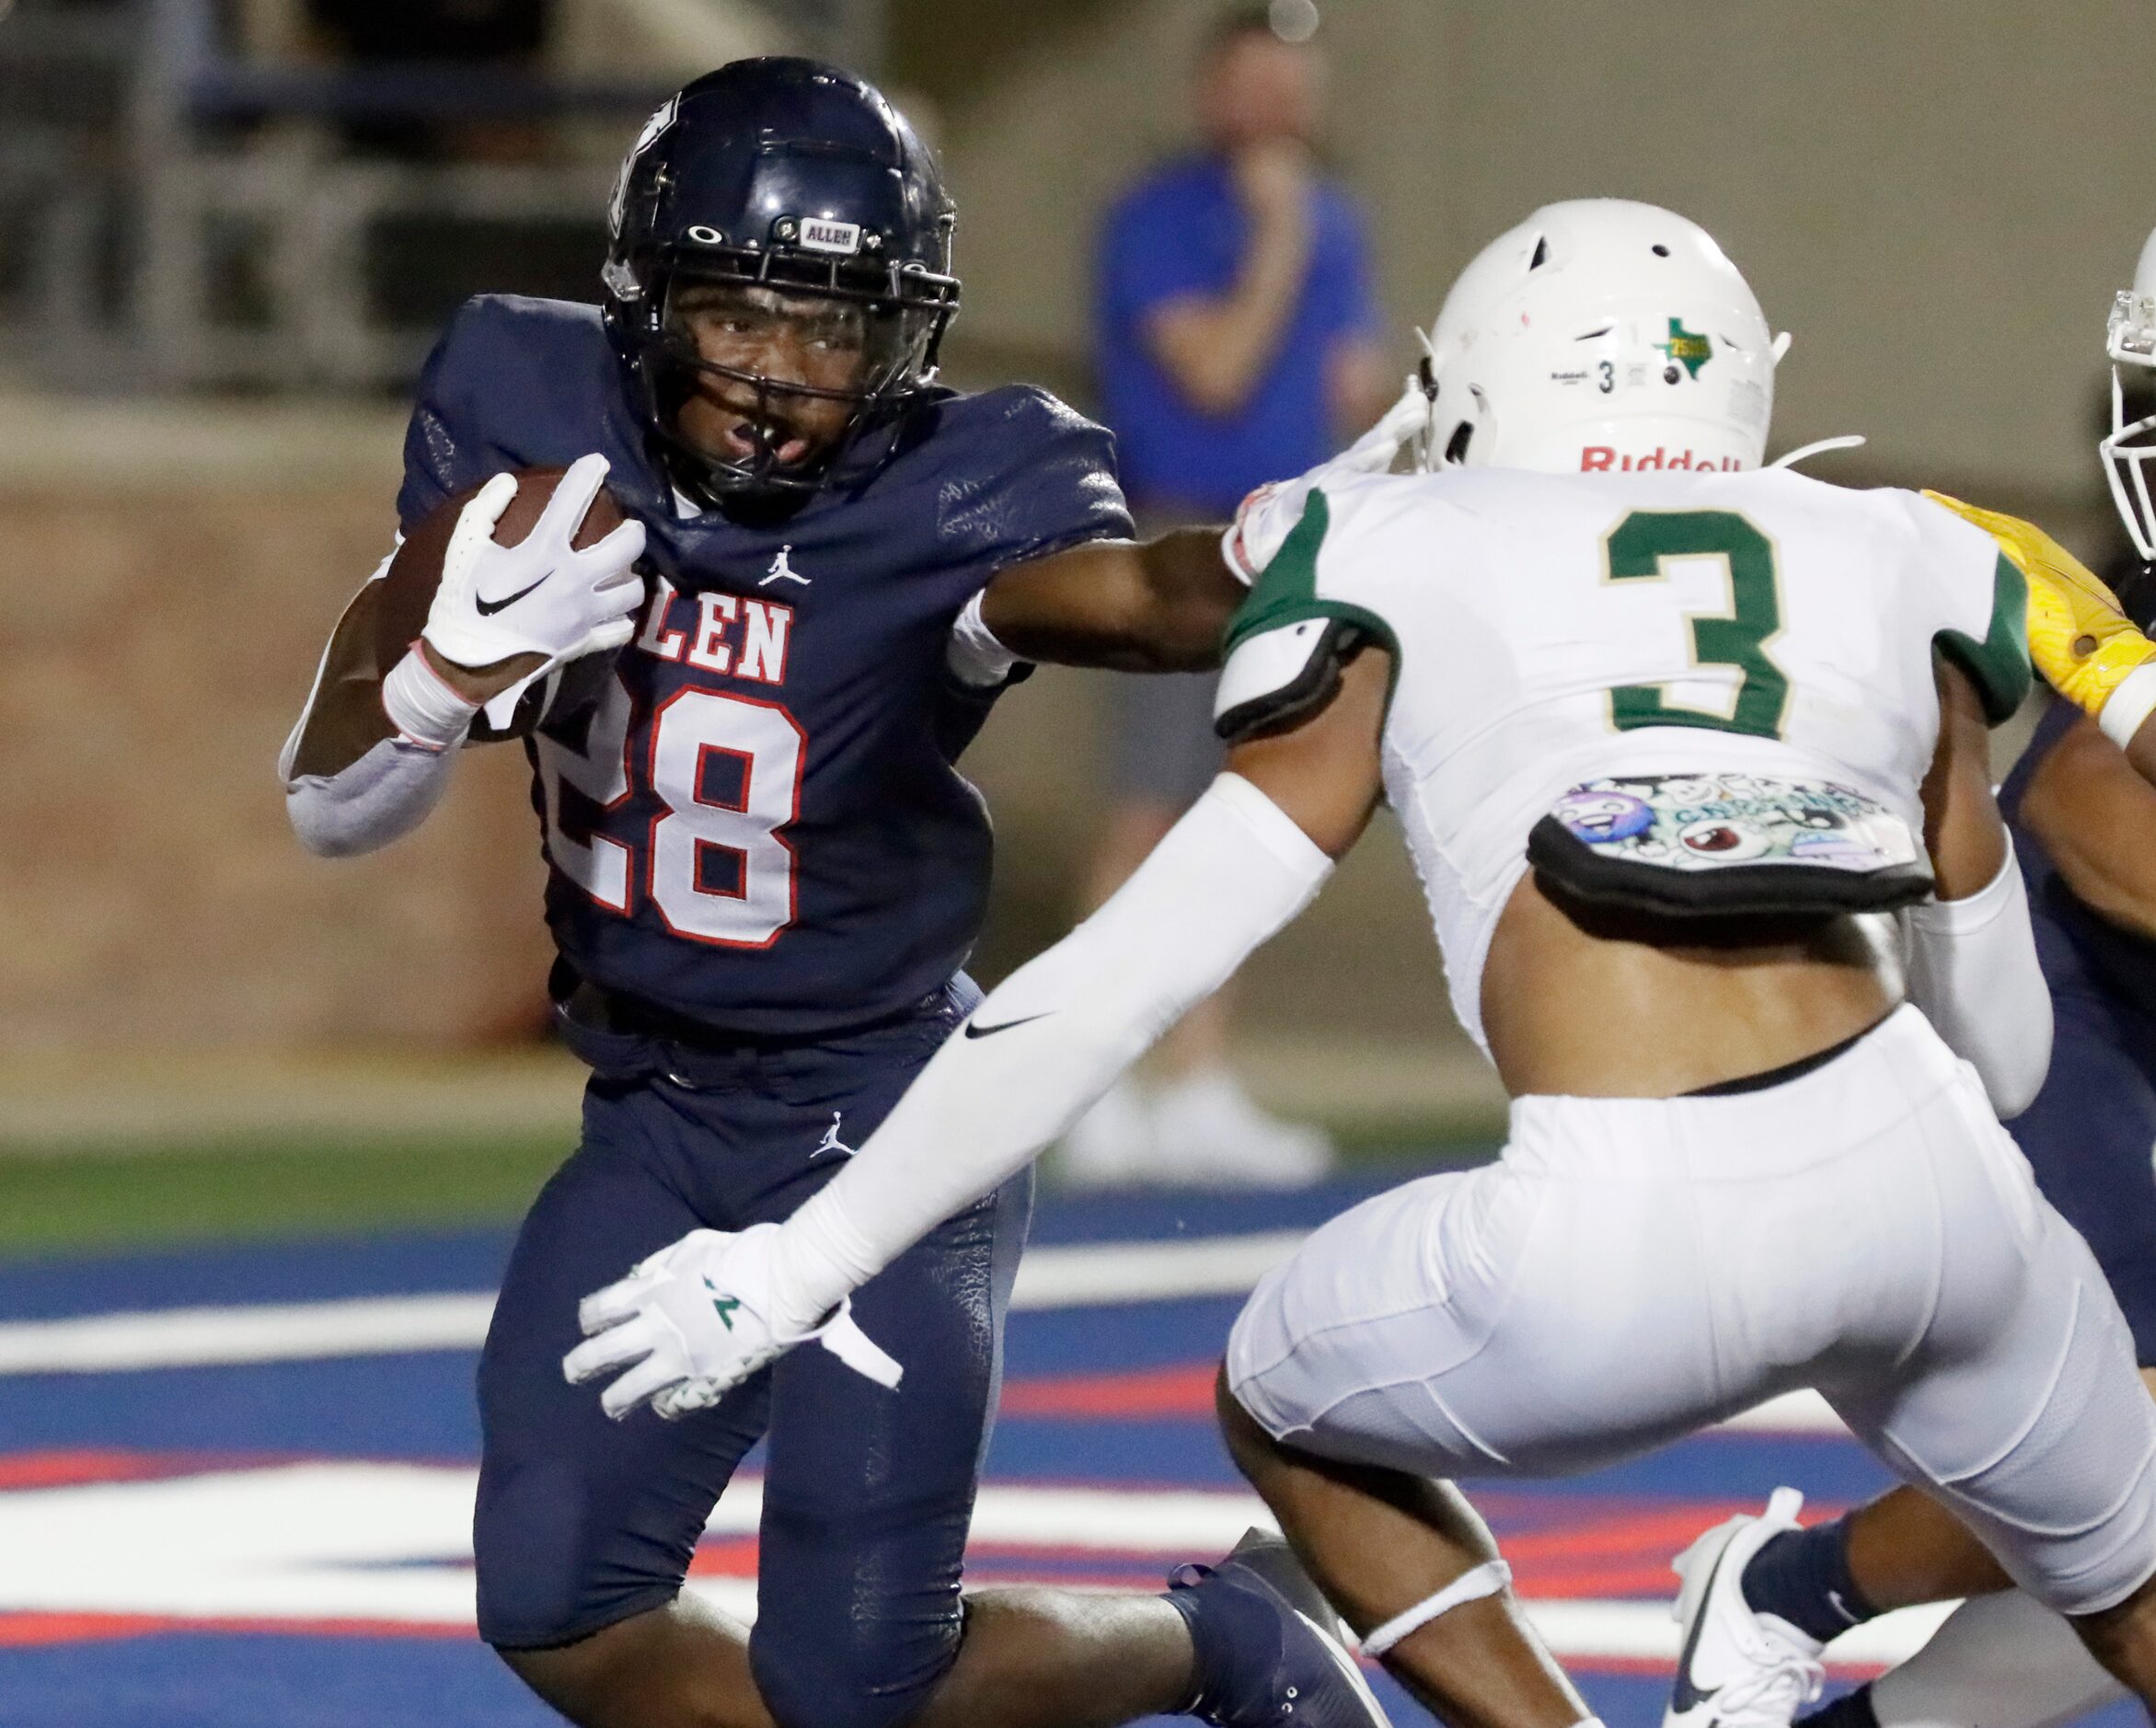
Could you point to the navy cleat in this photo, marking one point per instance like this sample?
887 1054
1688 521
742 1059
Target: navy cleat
1270 1648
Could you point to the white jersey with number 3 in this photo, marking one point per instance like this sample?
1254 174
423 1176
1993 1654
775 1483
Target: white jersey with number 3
1553 630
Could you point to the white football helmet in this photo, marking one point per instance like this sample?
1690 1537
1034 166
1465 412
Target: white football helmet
2127 453
1600 335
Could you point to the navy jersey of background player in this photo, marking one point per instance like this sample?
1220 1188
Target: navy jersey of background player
760 825
2090 1131
2108 956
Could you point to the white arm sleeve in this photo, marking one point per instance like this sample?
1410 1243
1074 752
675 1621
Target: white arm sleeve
394 787
380 798
1050 1039
1973 971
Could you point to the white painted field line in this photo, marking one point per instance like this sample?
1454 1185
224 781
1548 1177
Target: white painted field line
206 1336
300 1544
1077 1275
1083 1275
1174 1523
1792 1413
1095 1274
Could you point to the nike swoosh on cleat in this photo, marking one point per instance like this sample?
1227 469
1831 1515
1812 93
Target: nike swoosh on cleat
973 1030
1684 1697
488 608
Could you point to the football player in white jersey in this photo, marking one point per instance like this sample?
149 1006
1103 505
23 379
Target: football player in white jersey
1670 735
1758 1588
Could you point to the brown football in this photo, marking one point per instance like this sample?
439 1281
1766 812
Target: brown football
408 591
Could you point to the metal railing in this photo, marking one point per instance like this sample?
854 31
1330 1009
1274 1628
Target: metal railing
188 215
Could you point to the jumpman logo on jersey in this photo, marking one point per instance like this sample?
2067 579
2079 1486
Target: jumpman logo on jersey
782 568
831 1142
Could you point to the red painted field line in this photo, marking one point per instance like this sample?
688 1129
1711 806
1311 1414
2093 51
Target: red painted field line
61 1629
1180 1390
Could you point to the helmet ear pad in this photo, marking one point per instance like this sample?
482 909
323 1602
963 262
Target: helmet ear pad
1462 428
1470 435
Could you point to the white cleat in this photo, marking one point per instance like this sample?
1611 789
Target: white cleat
1111 1145
1738 1669
1209 1132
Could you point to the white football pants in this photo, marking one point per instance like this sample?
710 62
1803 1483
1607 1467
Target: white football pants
1634 1269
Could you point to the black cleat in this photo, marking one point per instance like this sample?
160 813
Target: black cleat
1271 1650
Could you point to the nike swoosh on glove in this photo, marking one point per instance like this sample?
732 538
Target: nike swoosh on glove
541 596
692 1322
1266 516
2080 637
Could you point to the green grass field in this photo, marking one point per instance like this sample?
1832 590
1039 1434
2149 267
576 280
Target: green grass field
62 1200
65 1200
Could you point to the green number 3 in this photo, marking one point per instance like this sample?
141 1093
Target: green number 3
1638 547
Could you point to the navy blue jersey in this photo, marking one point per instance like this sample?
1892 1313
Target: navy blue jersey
2116 959
760 825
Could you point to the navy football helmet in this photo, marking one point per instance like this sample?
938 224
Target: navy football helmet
799 184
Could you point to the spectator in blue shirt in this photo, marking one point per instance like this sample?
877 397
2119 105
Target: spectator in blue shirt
1238 340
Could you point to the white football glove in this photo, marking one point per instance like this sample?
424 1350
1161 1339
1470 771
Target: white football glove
693 1322
1268 515
541 596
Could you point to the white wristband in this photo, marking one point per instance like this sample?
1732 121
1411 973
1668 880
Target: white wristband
974 656
2130 705
423 707
1471 1586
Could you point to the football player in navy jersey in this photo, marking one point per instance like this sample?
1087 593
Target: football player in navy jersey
766 874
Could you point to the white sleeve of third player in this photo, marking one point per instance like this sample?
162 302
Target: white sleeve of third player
1973 971
1050 1040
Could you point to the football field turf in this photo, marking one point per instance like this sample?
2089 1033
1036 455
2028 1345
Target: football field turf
235 1478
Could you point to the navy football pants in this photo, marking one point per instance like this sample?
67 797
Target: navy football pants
2091 1135
583 1522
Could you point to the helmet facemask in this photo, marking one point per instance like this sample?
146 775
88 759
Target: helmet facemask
777 279
2131 446
759 370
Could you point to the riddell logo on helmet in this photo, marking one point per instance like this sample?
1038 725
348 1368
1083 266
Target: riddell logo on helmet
1602 459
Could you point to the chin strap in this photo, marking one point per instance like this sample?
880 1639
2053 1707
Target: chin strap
1790 458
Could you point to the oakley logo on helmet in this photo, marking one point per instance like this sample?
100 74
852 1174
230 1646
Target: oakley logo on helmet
830 237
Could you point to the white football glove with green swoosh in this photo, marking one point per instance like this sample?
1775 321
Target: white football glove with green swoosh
693 1322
